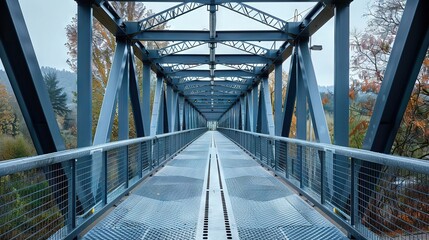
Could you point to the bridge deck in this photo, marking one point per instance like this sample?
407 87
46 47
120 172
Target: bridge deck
213 190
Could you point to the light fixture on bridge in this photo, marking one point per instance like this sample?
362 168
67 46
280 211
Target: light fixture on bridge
316 47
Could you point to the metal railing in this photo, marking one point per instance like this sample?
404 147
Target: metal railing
371 195
56 196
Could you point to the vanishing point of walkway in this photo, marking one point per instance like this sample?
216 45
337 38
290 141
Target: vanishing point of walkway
213 190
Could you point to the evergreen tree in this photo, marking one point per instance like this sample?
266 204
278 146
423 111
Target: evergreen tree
56 94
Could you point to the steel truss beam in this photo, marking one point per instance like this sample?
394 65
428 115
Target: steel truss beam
179 47
172 67
168 14
206 73
221 36
247 47
205 59
257 15
185 80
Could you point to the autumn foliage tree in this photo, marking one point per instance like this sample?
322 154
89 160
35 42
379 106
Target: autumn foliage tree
371 52
103 48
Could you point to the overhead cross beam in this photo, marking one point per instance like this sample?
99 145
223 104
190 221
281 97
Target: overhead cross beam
206 73
203 35
205 59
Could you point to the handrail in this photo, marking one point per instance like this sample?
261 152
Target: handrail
21 164
408 163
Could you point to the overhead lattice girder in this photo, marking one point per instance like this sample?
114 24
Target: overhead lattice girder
170 68
257 15
195 84
179 47
206 73
221 36
243 67
240 80
248 47
212 87
205 59
168 14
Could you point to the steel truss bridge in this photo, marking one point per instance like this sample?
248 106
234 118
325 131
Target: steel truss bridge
247 180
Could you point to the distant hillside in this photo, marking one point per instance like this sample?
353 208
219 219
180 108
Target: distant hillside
66 79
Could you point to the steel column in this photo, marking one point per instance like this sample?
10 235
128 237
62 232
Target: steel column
146 98
123 115
278 111
158 108
255 99
341 102
181 112
84 74
290 97
135 95
313 95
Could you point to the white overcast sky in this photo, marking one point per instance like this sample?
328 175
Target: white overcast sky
47 19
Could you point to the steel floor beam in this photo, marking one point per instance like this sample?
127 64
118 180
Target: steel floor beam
213 190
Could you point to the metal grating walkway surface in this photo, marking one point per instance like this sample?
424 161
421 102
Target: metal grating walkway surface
213 190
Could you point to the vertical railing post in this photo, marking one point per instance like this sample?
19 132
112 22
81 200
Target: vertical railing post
301 166
354 207
126 165
72 196
286 161
139 160
104 174
322 176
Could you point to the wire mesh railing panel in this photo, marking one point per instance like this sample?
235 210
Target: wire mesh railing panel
89 183
145 157
116 169
34 204
134 166
393 202
338 183
281 157
312 171
263 149
371 195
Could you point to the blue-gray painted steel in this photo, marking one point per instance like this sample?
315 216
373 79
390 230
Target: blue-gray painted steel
135 96
290 97
278 89
157 108
123 93
221 36
205 59
301 104
84 74
341 100
108 108
146 98
313 95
